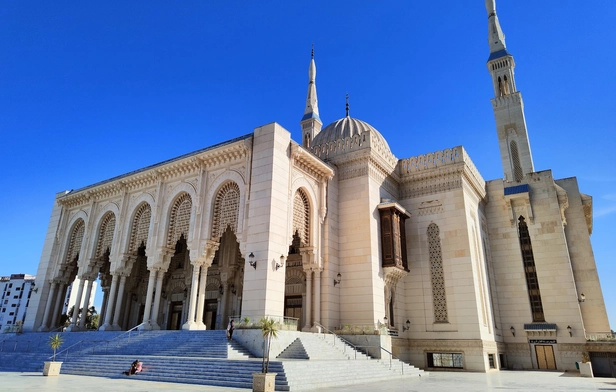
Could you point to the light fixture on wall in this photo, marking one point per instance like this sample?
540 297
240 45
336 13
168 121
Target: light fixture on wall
232 288
512 331
252 261
338 279
582 298
281 263
407 327
35 290
569 329
386 321
220 289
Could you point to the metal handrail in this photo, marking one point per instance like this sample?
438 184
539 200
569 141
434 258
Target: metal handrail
355 347
108 341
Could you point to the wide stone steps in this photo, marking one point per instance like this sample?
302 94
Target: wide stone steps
327 373
294 351
187 370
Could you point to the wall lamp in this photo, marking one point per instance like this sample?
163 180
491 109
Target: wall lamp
252 261
582 298
220 289
338 279
407 327
281 263
512 331
233 289
35 290
569 329
386 321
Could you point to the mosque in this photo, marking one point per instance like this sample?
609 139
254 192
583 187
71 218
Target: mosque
338 233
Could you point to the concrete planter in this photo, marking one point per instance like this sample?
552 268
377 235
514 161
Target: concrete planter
586 369
263 382
52 368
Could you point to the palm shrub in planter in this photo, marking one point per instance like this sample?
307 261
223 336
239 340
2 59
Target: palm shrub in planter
53 368
264 381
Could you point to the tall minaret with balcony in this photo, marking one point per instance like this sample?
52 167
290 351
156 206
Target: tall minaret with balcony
507 103
311 123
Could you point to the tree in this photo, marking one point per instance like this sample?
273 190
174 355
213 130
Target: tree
269 328
91 317
55 341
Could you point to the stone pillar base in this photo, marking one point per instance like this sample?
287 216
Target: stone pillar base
73 328
107 327
145 327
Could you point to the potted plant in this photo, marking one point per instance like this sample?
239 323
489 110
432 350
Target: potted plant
264 381
585 366
53 368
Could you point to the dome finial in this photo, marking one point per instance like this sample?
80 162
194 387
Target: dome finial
312 50
348 108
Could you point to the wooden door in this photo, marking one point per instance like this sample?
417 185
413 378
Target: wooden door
545 357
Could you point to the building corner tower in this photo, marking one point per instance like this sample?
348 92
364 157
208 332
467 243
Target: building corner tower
311 123
507 103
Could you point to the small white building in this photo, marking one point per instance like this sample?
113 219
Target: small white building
15 292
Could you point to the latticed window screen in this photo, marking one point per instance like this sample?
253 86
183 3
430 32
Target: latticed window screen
105 238
180 219
226 209
439 297
75 243
532 283
141 226
301 217
518 174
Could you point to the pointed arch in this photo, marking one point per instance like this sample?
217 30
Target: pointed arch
140 227
75 240
226 209
179 219
105 237
301 217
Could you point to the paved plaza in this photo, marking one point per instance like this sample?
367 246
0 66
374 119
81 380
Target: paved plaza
435 382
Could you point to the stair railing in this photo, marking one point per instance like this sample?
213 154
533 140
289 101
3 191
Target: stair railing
344 341
355 348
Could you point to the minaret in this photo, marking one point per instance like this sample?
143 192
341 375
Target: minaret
311 123
507 103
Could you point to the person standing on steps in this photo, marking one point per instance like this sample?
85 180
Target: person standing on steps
230 329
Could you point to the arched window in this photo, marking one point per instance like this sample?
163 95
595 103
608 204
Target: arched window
530 272
105 237
226 209
439 297
141 226
74 246
518 174
179 221
301 217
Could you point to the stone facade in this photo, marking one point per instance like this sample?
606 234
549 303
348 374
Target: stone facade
339 233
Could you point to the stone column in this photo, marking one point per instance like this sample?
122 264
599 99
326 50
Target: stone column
223 304
73 327
110 304
190 323
308 324
118 305
103 312
57 309
52 292
317 300
201 301
86 301
157 295
128 302
148 301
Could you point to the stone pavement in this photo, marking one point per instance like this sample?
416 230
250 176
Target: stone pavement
435 382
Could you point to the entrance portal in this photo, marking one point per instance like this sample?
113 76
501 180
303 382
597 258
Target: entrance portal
175 317
545 357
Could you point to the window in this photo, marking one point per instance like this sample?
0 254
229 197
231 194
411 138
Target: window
491 360
445 360
17 288
12 314
532 283
437 275
13 305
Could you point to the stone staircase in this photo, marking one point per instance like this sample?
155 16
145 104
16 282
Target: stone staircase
200 357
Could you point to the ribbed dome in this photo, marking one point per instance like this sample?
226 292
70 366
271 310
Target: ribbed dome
344 128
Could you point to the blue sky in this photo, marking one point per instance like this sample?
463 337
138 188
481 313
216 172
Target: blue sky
91 90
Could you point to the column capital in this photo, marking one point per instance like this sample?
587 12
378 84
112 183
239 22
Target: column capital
207 257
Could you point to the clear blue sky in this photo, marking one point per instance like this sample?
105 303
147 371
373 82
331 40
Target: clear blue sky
91 90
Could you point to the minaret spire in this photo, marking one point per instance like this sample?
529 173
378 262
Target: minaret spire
311 123
507 103
348 108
